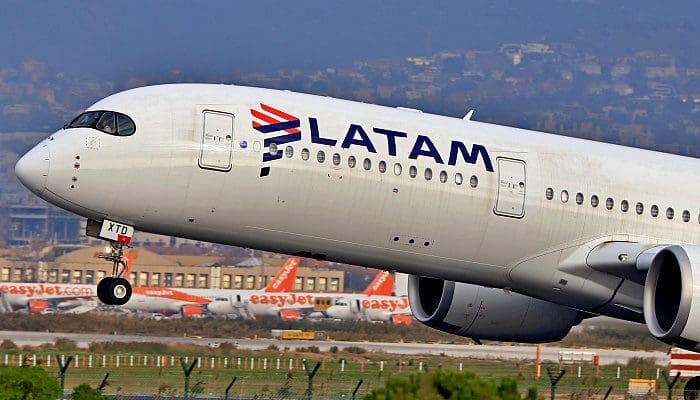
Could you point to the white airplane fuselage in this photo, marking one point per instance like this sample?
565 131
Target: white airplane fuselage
177 176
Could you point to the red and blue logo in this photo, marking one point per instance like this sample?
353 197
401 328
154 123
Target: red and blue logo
268 121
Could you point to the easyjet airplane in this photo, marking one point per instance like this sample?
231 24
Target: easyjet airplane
191 302
290 306
510 234
371 305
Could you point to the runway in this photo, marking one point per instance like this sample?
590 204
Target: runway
506 352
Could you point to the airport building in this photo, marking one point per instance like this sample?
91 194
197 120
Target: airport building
82 266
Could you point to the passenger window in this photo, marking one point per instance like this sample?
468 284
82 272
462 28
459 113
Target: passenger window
352 161
640 208
579 198
397 169
367 164
624 206
459 178
564 196
382 166
443 176
412 171
669 213
321 156
609 203
304 154
273 148
473 181
106 123
428 174
654 211
549 193
336 159
686 215
289 151
125 126
594 201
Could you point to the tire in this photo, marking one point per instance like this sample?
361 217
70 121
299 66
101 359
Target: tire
102 291
119 291
690 391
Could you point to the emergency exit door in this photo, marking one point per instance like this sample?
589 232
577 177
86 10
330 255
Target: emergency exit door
217 140
510 197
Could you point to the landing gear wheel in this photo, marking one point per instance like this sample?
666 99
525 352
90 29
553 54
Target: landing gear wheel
690 391
119 291
102 291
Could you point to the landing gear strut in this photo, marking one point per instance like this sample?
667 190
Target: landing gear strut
115 290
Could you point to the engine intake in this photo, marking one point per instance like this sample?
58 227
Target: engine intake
672 294
479 312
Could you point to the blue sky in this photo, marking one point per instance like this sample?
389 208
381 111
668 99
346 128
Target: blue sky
135 37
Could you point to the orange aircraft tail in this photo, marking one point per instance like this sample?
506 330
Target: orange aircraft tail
284 280
382 285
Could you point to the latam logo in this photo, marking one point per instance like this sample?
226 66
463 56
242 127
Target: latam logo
269 120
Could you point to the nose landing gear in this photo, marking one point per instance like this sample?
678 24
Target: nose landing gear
115 290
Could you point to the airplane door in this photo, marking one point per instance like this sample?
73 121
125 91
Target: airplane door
217 140
510 197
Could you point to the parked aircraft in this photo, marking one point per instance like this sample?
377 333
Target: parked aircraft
291 306
191 302
371 308
510 234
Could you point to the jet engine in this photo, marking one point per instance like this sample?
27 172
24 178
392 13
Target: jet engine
37 306
191 311
479 312
672 294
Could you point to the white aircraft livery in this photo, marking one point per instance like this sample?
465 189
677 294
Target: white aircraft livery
509 234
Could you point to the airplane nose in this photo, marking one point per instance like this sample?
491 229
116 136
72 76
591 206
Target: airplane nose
33 168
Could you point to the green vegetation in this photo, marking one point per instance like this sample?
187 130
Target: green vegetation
449 385
623 336
27 383
85 392
155 368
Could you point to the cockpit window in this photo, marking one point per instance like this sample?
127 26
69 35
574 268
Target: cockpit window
106 121
85 120
125 126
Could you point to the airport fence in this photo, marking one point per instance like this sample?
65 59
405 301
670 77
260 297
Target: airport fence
334 375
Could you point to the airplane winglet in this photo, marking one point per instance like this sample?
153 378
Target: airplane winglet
284 280
468 117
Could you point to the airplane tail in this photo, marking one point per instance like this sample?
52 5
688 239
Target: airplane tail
382 285
130 257
284 280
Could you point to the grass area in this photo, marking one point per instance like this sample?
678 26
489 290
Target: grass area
628 336
257 371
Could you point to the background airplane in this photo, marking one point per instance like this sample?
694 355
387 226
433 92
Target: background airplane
291 306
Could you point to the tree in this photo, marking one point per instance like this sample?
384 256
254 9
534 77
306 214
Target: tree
448 385
85 392
27 383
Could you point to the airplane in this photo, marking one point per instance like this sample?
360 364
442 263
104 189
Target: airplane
291 306
185 302
37 297
509 234
189 303
372 305
376 309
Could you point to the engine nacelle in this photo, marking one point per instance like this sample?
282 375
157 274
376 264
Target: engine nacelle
672 294
479 312
37 306
191 311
